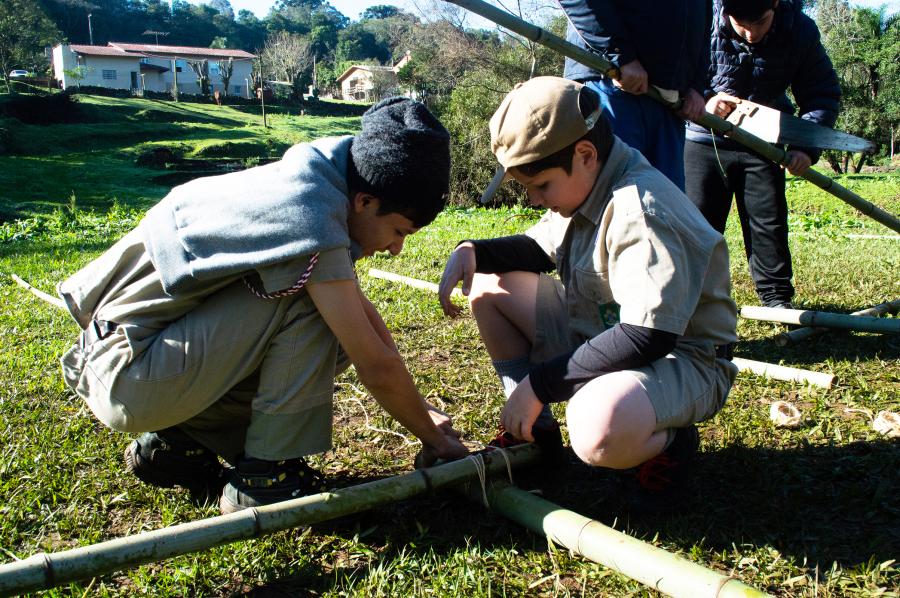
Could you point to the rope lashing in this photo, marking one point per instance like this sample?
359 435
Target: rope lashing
477 460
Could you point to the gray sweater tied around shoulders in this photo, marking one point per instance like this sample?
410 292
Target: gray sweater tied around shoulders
256 219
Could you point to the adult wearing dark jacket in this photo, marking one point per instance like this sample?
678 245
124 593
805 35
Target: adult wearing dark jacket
759 49
663 44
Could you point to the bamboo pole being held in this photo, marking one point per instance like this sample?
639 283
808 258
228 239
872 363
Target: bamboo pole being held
825 319
801 334
43 570
783 372
710 121
643 562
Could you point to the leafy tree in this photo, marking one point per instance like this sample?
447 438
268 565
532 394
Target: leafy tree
224 8
863 46
358 44
381 11
25 30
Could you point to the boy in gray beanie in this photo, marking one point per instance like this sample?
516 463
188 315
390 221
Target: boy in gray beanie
217 326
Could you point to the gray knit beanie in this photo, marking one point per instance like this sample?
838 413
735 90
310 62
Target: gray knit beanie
402 156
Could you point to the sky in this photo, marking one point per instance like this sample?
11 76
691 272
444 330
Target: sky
353 8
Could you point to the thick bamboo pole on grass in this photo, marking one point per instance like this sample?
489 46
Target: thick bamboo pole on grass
44 570
652 566
783 372
801 334
825 319
710 121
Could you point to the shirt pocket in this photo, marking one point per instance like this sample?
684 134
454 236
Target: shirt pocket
593 286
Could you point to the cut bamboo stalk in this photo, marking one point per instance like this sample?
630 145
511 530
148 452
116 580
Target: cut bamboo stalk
801 334
44 570
39 293
825 319
643 562
710 121
783 372
410 282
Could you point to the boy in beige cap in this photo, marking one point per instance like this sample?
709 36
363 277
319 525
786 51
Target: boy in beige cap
636 332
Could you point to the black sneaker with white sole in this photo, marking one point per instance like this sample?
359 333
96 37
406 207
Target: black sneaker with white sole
255 482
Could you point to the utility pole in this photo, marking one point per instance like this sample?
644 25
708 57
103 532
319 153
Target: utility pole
90 30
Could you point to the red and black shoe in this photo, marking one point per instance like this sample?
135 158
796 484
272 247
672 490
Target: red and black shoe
659 483
546 435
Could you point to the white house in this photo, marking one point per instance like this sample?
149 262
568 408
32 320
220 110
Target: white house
150 67
359 81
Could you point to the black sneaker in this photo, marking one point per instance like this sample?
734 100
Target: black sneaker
255 482
659 483
171 458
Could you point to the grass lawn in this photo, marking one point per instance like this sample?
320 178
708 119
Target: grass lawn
812 511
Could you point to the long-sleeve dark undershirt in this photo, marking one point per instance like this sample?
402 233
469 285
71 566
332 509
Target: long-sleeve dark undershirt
624 346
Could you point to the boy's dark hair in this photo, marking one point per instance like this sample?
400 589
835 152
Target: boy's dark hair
402 157
600 135
746 10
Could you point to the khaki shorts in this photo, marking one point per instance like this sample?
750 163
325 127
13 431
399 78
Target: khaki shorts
688 385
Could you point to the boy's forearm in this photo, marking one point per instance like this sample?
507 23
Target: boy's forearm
378 324
392 386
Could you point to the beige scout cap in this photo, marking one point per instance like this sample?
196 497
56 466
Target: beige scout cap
537 119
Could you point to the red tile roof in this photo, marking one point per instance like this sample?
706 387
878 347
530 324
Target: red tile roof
152 49
103 51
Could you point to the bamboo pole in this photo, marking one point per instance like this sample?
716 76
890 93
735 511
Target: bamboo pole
651 566
825 319
39 293
783 372
801 334
43 570
710 121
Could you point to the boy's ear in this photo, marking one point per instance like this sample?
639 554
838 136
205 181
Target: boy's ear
361 201
586 152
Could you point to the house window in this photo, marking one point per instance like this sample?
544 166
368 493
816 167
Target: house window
109 74
237 90
179 65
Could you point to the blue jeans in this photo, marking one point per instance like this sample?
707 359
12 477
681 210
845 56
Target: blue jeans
647 126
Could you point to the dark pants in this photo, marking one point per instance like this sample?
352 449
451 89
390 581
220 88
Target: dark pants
758 188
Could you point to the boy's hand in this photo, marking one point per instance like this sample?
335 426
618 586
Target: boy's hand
443 421
691 105
460 267
797 162
450 450
632 78
521 411
722 104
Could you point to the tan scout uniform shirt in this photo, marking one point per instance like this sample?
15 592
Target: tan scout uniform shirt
637 251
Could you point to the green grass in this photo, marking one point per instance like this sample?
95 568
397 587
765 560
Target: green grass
806 512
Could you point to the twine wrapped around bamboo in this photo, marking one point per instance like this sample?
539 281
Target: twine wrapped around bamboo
47 570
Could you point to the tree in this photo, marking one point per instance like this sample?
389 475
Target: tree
224 8
384 84
201 70
381 11
863 46
288 57
226 69
77 74
25 30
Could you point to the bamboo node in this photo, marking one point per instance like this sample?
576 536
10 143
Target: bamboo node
887 423
784 414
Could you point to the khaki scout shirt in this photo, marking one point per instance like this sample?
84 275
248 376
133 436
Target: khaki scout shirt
123 286
637 251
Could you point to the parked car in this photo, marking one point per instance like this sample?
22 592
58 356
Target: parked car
18 73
